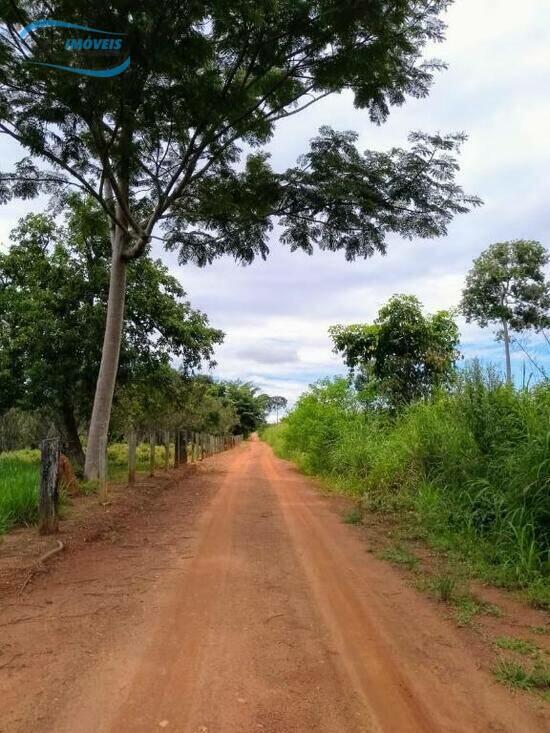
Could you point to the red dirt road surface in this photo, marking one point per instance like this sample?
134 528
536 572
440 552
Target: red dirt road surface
240 604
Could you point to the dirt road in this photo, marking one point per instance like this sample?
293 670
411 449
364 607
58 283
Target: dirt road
270 616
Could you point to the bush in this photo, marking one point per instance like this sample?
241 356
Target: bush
474 464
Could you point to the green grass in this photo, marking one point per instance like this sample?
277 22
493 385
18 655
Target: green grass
521 646
467 607
89 487
517 676
19 472
538 595
399 555
354 516
444 587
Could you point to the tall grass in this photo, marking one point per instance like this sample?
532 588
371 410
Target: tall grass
474 465
18 488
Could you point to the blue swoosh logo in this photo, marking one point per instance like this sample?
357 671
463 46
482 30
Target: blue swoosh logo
24 32
98 73
104 73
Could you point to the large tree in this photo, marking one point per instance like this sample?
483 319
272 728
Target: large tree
160 145
404 355
54 282
507 285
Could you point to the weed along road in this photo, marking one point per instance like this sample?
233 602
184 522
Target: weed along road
264 613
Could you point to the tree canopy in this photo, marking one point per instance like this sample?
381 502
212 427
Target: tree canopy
161 142
404 355
251 405
170 399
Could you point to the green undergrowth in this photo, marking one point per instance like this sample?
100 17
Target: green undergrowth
19 478
468 471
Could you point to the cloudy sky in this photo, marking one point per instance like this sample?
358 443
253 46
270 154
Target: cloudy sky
276 313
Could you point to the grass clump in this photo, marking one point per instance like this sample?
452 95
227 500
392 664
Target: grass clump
513 644
517 676
354 516
444 587
399 555
467 607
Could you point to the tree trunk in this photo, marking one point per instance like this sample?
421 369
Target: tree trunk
507 352
103 400
74 450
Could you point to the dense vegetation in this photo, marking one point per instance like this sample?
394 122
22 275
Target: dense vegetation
472 464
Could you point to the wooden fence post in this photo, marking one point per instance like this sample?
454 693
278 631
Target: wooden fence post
166 449
183 446
48 521
103 468
176 448
152 446
132 444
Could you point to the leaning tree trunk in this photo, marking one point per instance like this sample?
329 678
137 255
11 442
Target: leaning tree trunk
507 351
103 400
74 450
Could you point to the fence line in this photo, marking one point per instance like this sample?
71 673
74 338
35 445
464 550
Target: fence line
189 447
